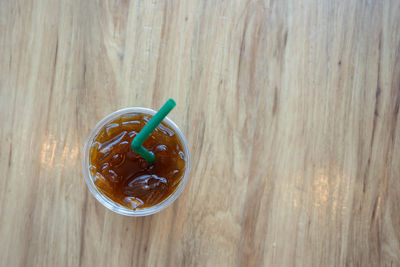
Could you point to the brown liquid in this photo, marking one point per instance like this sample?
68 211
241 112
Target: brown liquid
123 175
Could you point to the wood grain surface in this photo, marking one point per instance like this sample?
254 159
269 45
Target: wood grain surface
291 110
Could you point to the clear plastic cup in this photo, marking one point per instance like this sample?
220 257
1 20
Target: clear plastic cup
107 202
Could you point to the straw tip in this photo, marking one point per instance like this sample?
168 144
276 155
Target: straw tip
171 102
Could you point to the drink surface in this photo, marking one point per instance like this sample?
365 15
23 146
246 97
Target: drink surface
123 175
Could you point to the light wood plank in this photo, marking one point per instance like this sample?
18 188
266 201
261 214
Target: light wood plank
291 110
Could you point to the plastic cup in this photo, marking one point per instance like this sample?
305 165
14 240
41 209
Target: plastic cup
107 202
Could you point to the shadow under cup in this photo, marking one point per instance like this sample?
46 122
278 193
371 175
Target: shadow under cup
107 202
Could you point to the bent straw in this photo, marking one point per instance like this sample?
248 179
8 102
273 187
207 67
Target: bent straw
137 142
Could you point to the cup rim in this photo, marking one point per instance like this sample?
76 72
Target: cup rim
107 202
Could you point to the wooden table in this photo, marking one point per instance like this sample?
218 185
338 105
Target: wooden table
291 110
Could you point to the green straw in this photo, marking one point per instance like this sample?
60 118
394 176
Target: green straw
137 143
